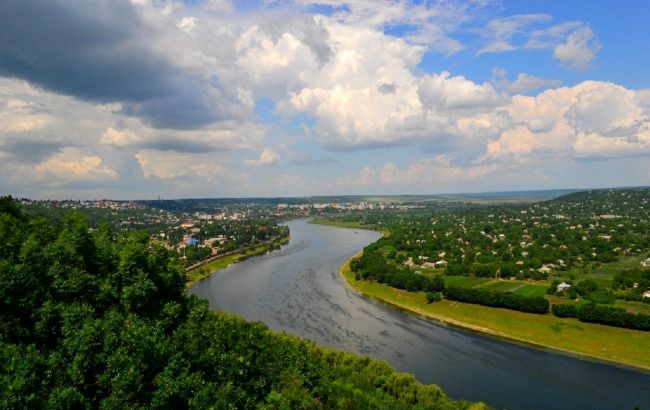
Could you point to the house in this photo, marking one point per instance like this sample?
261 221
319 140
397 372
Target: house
646 294
428 265
441 263
646 263
409 262
562 287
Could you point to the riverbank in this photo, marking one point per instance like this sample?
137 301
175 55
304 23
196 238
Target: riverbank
347 224
203 271
618 346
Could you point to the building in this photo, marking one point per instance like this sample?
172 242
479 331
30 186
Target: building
646 263
646 294
562 287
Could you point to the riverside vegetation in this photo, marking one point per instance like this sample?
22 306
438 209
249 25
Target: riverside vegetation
96 319
514 257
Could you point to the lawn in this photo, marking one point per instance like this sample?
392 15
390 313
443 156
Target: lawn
613 344
531 290
464 281
518 287
496 285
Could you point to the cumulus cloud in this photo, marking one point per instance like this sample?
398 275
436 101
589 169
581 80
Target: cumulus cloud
71 166
578 50
574 122
430 23
267 157
443 92
119 138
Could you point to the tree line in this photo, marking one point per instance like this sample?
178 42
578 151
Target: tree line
508 300
605 315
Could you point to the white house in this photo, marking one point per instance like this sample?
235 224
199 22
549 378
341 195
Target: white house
646 263
646 294
562 287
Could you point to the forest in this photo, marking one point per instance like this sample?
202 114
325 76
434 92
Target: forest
99 319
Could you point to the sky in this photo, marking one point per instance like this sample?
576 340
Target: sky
135 99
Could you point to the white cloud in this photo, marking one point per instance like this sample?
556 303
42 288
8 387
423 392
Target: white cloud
434 173
605 109
523 83
432 23
72 166
574 122
20 116
171 165
443 92
579 49
503 29
267 157
119 138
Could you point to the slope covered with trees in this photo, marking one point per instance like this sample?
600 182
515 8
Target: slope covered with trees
92 319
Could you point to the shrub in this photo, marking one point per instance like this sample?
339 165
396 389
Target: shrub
531 304
565 310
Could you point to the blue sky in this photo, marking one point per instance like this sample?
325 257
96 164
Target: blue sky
213 98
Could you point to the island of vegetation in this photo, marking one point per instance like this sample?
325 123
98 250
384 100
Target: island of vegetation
100 319
571 274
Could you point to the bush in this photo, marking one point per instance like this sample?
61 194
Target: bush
611 316
530 304
433 297
565 310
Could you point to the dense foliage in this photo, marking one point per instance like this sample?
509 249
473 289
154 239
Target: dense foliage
100 320
605 315
508 300
372 265
612 316
565 310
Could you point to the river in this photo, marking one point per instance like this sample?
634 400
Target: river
298 290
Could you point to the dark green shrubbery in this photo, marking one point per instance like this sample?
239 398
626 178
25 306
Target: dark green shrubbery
565 310
611 316
508 300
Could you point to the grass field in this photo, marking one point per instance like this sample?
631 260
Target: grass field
496 285
518 287
618 345
465 281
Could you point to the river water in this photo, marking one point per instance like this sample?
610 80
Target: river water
298 290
